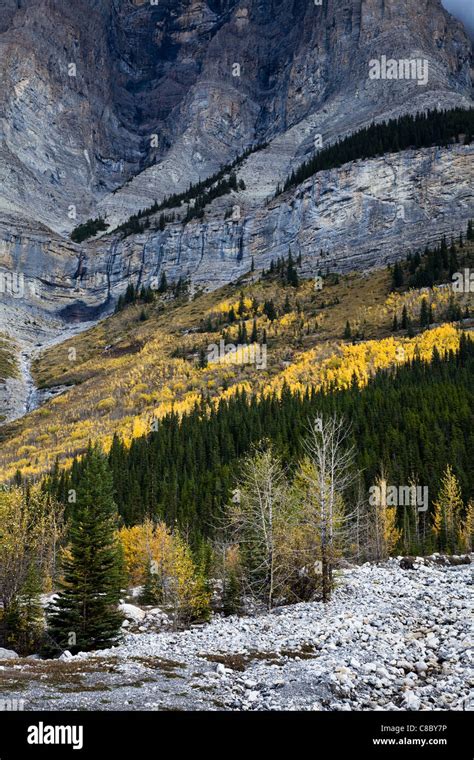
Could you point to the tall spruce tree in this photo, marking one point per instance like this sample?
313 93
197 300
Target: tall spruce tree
404 318
85 614
397 276
424 314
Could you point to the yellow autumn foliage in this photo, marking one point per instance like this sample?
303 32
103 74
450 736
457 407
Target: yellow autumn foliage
361 360
129 374
154 546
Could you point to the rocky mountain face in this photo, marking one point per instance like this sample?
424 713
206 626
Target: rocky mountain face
95 93
362 215
107 105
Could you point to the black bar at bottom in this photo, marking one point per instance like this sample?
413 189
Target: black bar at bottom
128 734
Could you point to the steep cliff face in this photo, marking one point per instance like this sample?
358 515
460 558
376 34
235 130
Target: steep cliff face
364 214
93 94
84 85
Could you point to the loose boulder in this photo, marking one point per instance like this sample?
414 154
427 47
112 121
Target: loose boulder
8 654
131 612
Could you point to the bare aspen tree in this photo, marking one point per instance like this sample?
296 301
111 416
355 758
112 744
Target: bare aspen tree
222 545
358 531
379 511
383 532
326 473
258 521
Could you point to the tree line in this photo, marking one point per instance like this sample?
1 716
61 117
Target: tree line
423 130
88 229
265 495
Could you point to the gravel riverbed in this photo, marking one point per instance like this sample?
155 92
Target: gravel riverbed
390 639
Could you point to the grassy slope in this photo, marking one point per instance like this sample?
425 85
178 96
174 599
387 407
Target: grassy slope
8 366
124 372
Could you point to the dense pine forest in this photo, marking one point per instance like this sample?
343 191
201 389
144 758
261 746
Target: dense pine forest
409 422
438 128
434 265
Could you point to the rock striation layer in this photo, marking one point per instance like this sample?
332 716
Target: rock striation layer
360 216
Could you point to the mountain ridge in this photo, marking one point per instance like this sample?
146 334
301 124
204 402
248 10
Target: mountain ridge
90 132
